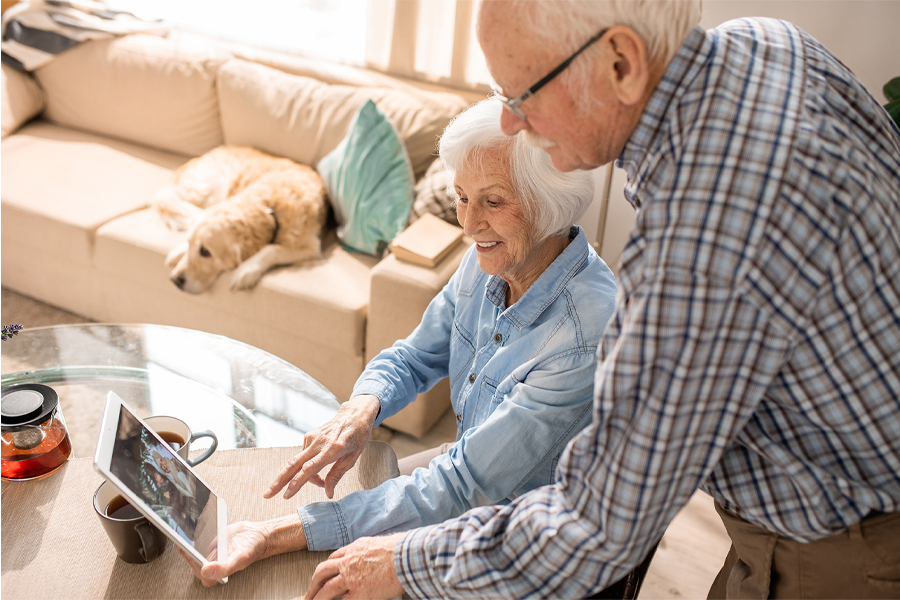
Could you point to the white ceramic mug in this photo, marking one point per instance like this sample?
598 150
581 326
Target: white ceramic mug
178 435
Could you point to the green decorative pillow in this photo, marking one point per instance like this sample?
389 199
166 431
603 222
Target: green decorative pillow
370 182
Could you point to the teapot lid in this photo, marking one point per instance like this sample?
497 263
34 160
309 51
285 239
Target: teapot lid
26 405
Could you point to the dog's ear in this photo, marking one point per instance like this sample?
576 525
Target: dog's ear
175 212
236 254
176 254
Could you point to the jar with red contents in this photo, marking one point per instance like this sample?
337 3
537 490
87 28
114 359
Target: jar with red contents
35 439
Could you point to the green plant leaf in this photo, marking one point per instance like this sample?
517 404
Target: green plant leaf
892 89
893 108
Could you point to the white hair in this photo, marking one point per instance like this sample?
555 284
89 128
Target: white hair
567 24
552 200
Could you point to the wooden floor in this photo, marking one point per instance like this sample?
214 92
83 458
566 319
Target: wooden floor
689 555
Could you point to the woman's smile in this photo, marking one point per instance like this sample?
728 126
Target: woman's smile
484 247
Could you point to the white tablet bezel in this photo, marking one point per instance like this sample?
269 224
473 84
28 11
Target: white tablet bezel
102 462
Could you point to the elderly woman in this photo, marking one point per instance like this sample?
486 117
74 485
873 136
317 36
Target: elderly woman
515 330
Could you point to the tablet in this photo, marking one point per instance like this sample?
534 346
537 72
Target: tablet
159 483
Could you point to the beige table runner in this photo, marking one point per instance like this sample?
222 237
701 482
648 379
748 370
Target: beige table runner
53 545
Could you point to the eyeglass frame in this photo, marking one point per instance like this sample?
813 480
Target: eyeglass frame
513 104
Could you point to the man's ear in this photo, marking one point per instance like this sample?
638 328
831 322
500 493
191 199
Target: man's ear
629 64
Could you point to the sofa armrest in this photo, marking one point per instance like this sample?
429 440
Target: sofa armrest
22 99
400 293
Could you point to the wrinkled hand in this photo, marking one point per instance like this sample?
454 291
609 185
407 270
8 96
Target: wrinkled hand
340 441
249 542
364 569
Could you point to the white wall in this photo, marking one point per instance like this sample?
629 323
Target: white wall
591 217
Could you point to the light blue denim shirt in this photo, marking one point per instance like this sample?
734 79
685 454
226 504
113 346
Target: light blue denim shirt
521 385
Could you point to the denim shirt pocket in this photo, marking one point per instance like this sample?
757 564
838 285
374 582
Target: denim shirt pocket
462 352
487 399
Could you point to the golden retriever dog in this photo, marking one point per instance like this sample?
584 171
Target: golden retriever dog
243 210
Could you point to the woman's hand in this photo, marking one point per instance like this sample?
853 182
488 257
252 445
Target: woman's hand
340 441
249 542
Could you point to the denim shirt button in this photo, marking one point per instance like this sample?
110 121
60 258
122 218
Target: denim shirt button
471 377
498 338
459 418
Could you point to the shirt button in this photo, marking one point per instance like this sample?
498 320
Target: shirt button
459 418
498 338
471 377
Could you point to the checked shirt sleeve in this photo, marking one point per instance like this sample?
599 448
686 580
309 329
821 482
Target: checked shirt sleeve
685 364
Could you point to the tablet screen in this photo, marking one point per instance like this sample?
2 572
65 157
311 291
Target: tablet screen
149 468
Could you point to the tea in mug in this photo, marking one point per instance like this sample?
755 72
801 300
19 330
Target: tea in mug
120 508
174 440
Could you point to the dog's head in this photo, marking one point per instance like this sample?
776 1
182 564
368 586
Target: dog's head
213 245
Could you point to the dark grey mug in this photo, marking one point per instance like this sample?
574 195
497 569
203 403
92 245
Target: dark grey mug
135 539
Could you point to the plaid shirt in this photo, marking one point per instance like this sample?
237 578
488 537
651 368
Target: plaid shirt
755 348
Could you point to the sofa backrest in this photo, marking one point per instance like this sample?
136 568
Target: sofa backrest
304 119
188 94
155 91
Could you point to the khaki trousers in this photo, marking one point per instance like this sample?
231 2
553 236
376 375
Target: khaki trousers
861 562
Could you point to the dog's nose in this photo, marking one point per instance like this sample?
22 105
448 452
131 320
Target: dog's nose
179 281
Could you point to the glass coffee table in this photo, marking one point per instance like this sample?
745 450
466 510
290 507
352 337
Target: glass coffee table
247 396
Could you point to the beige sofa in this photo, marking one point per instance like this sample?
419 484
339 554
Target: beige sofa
90 137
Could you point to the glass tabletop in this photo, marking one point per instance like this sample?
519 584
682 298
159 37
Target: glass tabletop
248 397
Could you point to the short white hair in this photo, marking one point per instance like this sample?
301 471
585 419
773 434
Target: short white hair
553 201
567 24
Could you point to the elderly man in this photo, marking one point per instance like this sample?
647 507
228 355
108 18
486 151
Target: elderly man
755 348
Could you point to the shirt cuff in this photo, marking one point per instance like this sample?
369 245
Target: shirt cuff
412 565
380 391
324 526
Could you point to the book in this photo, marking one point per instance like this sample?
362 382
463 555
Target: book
427 241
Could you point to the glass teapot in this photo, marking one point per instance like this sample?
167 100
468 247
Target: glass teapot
35 439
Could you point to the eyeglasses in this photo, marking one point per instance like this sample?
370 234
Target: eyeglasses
513 104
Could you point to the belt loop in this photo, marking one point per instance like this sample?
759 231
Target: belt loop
855 532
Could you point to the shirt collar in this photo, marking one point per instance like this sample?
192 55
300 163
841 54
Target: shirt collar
549 284
681 72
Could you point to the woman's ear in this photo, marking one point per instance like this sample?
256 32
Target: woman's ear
629 66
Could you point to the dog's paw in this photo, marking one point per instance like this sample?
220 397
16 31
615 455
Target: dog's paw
245 277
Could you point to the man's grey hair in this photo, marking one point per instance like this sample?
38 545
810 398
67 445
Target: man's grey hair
552 200
567 24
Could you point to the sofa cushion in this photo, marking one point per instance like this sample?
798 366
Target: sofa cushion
304 119
60 185
321 304
323 300
22 99
142 88
369 182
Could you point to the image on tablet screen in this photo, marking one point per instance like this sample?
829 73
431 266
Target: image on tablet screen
149 468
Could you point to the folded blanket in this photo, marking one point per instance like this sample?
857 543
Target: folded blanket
35 32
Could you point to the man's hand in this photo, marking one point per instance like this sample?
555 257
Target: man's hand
340 441
249 542
364 569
